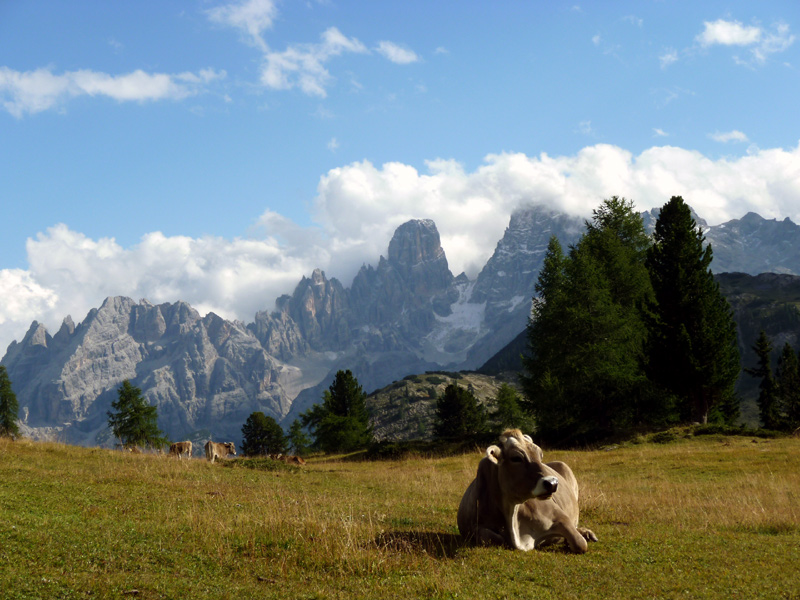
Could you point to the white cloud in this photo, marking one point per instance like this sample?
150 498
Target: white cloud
728 136
302 65
762 43
397 54
70 273
669 57
728 33
333 145
36 91
252 17
660 132
772 43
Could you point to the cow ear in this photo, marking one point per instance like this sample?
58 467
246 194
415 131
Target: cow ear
493 453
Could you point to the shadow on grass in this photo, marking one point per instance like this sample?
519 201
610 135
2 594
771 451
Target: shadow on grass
432 543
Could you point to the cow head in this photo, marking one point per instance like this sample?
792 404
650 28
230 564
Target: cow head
230 448
521 474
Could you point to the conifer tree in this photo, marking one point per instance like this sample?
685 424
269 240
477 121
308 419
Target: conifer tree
458 414
788 389
692 350
134 421
9 407
262 435
341 422
508 413
767 387
298 440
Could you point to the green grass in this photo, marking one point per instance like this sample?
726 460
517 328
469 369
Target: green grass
709 517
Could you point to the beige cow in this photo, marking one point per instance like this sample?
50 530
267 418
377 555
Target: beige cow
216 450
180 448
519 501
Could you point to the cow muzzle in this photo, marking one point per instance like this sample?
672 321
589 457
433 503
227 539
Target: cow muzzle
545 487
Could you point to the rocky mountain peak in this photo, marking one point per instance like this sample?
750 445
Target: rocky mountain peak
415 242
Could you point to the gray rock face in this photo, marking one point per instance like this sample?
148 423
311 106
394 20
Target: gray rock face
407 315
755 245
507 283
201 372
751 245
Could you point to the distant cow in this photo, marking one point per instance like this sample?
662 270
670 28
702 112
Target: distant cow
519 501
290 459
180 448
216 450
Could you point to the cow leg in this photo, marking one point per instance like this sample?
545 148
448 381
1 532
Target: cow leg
574 538
487 537
587 534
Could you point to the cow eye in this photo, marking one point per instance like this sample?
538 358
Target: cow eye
516 459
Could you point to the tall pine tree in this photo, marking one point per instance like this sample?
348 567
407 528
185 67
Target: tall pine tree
8 407
341 422
692 350
134 421
767 387
788 390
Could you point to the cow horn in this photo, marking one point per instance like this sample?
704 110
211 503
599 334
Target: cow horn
493 453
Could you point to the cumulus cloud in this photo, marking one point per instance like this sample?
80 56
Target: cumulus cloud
761 42
397 54
302 65
251 17
70 273
728 33
36 91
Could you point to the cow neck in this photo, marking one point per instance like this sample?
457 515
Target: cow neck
511 512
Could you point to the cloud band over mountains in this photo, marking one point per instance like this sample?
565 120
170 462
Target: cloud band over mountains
356 210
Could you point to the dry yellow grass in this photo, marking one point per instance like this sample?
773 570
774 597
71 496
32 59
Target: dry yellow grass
698 518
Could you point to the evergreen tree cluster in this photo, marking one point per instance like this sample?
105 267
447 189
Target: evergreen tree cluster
778 395
628 330
460 416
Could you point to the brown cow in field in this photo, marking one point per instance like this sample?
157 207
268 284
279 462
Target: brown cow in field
216 450
290 459
519 501
180 448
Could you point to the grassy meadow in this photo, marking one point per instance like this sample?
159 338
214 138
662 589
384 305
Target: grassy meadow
699 517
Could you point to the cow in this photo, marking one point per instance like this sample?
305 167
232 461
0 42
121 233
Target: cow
519 501
180 448
290 459
219 449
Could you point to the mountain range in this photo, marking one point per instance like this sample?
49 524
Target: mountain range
409 314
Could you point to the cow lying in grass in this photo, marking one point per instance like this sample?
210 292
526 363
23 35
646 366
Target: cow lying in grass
519 501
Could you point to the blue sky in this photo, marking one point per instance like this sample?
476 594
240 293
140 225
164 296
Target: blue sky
217 151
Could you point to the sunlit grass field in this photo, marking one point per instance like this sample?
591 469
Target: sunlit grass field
703 517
